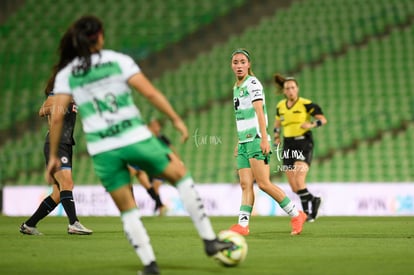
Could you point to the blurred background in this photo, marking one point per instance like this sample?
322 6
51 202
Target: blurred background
355 58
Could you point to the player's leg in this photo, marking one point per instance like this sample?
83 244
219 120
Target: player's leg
176 173
66 184
246 183
159 206
145 181
247 202
156 183
292 167
299 188
260 167
65 181
301 169
158 160
46 206
291 177
261 172
296 177
115 177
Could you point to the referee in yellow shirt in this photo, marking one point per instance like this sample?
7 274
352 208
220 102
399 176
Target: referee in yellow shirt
296 116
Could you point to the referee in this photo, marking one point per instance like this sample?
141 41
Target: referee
296 116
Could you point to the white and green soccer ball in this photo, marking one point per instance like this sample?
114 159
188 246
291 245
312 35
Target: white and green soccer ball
235 255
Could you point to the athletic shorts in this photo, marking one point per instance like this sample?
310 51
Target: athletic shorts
297 149
112 166
151 178
64 153
249 150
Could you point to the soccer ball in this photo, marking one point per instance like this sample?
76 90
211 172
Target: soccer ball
236 254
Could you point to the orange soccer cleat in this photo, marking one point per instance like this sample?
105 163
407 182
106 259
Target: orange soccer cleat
242 230
297 223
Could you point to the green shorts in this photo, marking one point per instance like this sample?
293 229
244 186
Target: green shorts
112 166
249 150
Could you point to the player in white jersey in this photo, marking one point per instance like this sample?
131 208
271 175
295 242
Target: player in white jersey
253 149
99 81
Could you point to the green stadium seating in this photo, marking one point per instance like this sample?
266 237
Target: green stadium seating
30 36
364 92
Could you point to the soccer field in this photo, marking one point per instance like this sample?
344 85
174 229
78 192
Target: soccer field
331 245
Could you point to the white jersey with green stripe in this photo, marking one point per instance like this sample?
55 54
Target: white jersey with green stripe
246 118
110 118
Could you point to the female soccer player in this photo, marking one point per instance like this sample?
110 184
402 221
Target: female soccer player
294 115
62 181
99 81
253 148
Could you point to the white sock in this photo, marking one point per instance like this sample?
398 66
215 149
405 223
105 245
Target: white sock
291 210
195 208
244 215
137 236
244 219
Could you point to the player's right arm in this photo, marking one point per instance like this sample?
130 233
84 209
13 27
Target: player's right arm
141 83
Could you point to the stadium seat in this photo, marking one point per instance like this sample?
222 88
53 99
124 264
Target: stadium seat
363 92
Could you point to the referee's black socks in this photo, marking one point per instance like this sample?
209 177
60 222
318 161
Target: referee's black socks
305 197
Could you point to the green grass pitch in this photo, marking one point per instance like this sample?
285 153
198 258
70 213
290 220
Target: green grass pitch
331 245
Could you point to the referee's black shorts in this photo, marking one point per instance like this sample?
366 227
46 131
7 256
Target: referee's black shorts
297 149
64 152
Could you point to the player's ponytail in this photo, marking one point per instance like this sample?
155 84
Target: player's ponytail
85 34
280 80
76 42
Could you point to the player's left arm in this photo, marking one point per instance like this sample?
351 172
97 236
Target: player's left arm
264 143
319 118
61 102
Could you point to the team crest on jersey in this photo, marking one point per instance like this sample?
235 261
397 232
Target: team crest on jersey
243 92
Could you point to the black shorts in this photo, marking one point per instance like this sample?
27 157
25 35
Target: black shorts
297 149
64 152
